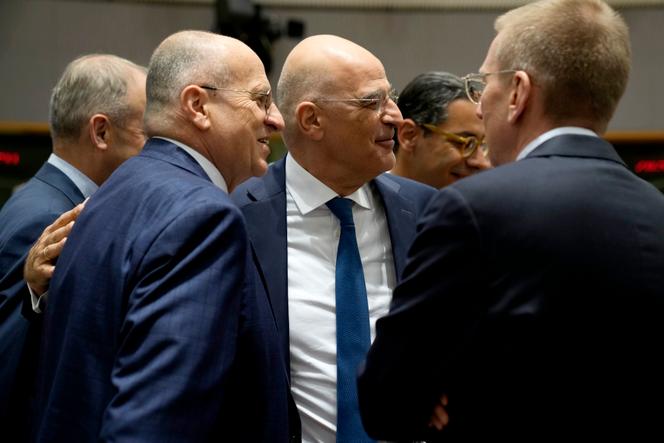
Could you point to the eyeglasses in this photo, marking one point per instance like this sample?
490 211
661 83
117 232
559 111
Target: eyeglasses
376 102
475 84
262 98
467 145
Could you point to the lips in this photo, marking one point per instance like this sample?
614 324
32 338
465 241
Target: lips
265 142
386 141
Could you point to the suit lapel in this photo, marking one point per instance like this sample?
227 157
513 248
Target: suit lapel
53 176
401 220
266 223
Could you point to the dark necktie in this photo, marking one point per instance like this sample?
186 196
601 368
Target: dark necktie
353 332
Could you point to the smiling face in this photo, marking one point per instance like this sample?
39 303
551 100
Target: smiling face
358 136
437 161
242 118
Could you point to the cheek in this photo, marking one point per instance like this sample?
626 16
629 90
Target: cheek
448 157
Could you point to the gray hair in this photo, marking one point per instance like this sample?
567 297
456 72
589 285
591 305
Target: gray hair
182 59
91 84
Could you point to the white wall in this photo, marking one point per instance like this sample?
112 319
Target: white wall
38 38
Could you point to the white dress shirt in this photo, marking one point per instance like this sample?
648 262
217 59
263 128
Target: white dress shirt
313 237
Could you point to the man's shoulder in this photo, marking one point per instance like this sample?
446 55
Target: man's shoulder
33 207
260 188
405 188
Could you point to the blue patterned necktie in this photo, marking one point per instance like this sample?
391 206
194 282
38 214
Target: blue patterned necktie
353 332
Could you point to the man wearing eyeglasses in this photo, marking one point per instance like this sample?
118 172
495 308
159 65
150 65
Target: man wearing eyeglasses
441 139
533 295
157 328
340 119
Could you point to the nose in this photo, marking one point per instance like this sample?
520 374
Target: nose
391 114
478 110
274 119
478 161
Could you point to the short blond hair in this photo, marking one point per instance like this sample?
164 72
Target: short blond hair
577 51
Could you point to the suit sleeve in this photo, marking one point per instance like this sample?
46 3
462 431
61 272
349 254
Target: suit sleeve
20 326
178 340
411 362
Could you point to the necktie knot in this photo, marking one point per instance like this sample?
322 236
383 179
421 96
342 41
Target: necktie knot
342 208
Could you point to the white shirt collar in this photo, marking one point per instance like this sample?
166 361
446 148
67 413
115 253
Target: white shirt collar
211 171
310 193
530 147
82 181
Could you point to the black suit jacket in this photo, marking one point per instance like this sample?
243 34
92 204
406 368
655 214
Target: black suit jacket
22 220
534 298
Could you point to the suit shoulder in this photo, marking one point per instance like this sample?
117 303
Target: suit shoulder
410 189
241 194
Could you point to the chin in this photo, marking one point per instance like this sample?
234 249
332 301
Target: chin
260 169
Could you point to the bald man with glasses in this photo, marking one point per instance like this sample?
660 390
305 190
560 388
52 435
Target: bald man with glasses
330 190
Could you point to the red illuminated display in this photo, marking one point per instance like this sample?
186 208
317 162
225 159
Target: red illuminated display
649 166
9 158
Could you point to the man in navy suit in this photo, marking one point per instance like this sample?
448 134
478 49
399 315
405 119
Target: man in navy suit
534 292
96 121
158 327
340 119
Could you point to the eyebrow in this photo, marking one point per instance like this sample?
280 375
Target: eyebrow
375 94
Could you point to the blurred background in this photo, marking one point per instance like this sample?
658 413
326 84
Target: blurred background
39 37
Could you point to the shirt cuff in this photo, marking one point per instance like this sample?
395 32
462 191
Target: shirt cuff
38 301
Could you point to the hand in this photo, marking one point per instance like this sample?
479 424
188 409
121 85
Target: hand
439 418
40 263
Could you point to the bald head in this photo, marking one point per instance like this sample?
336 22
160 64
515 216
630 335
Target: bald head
314 68
184 58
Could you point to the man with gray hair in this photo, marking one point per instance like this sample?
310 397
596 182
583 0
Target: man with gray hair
96 122
533 296
158 319
441 140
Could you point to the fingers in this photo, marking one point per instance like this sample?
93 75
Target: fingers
440 418
39 264
54 244
65 218
54 240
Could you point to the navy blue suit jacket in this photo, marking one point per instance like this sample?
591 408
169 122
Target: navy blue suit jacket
264 199
154 330
22 220
534 298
